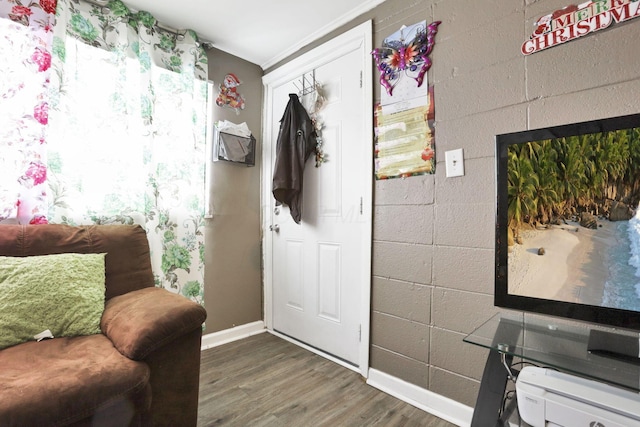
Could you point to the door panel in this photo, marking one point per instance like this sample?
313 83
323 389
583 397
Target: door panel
293 271
330 275
317 275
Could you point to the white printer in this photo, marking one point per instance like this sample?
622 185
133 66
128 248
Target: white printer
547 398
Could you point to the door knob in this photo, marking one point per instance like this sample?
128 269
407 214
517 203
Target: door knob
274 227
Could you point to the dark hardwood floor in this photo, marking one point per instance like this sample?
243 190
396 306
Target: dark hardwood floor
267 381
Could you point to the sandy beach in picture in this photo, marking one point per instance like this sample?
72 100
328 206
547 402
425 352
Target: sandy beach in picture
574 267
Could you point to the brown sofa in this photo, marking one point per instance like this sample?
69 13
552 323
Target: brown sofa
142 370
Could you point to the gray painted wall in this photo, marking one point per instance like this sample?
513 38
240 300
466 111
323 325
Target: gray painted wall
433 268
443 280
233 270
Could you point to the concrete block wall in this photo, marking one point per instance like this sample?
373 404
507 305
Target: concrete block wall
433 249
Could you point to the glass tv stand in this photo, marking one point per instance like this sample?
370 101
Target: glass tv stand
544 342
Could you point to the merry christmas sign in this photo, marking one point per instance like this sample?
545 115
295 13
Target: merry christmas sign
574 21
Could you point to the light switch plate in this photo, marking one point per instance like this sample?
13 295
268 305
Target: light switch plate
454 162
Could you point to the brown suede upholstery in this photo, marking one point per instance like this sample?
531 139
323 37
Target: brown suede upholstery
128 263
142 321
40 383
142 370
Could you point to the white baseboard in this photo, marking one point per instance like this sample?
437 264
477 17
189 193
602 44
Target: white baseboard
233 334
428 401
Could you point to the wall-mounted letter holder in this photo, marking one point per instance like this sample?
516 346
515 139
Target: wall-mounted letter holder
233 148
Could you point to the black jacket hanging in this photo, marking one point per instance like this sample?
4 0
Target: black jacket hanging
296 142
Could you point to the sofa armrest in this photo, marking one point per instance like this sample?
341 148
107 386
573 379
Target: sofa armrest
141 321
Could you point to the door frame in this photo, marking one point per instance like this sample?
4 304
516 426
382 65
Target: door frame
360 37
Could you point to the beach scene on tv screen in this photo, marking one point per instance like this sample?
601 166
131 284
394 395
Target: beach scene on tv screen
574 219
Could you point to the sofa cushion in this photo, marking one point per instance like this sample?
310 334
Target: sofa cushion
63 380
63 293
128 261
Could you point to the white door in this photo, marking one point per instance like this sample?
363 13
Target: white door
320 269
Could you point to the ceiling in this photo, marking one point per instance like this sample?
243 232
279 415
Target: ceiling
260 31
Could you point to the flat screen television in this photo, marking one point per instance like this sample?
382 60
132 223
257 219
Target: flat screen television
568 222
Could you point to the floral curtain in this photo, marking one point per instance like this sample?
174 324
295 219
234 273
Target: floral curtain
25 40
123 126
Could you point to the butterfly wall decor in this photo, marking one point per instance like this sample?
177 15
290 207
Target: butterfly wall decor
396 57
